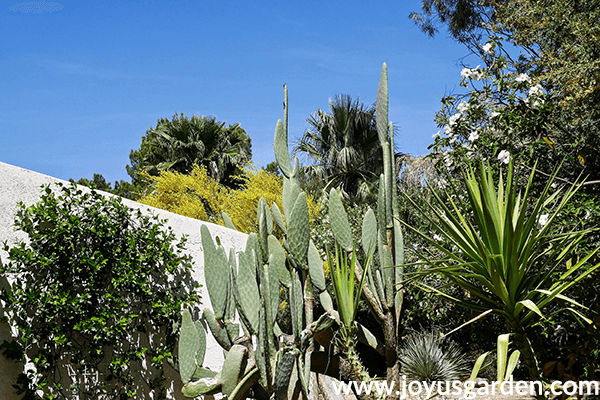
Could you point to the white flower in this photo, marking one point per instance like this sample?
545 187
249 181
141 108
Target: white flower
476 74
487 48
537 89
523 78
504 156
471 73
474 135
462 107
436 135
542 220
437 238
535 92
494 114
448 130
448 160
454 119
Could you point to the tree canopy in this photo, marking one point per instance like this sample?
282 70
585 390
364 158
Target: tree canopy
344 148
121 188
549 50
176 145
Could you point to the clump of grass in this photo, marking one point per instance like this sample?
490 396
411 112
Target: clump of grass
428 357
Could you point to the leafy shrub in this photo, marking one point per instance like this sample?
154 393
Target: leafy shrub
97 288
197 195
427 357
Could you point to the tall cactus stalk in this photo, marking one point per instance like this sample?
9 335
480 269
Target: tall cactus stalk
392 243
382 289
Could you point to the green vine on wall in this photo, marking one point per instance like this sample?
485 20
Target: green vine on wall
97 288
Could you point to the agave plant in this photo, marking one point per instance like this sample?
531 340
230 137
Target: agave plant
511 265
347 295
429 357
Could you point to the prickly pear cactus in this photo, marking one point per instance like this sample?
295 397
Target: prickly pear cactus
261 359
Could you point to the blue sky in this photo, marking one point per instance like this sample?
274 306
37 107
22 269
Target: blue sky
81 84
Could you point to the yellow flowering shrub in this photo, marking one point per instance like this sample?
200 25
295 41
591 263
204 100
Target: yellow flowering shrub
193 195
198 196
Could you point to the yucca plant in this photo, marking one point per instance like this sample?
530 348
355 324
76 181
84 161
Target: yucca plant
501 255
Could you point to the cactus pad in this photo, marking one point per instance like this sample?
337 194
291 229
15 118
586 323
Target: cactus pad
189 343
217 328
283 370
202 349
315 267
277 257
282 154
339 221
369 231
278 217
233 368
247 291
216 273
201 387
381 110
299 230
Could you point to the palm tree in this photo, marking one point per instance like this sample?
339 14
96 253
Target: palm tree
178 144
344 148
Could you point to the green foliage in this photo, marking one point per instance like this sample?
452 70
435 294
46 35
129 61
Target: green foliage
178 144
566 39
462 17
498 247
533 99
272 167
344 280
429 357
96 284
535 96
505 365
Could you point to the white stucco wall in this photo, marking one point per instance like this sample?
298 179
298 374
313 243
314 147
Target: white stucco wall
18 184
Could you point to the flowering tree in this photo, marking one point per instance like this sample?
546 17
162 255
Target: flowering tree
536 92
503 113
